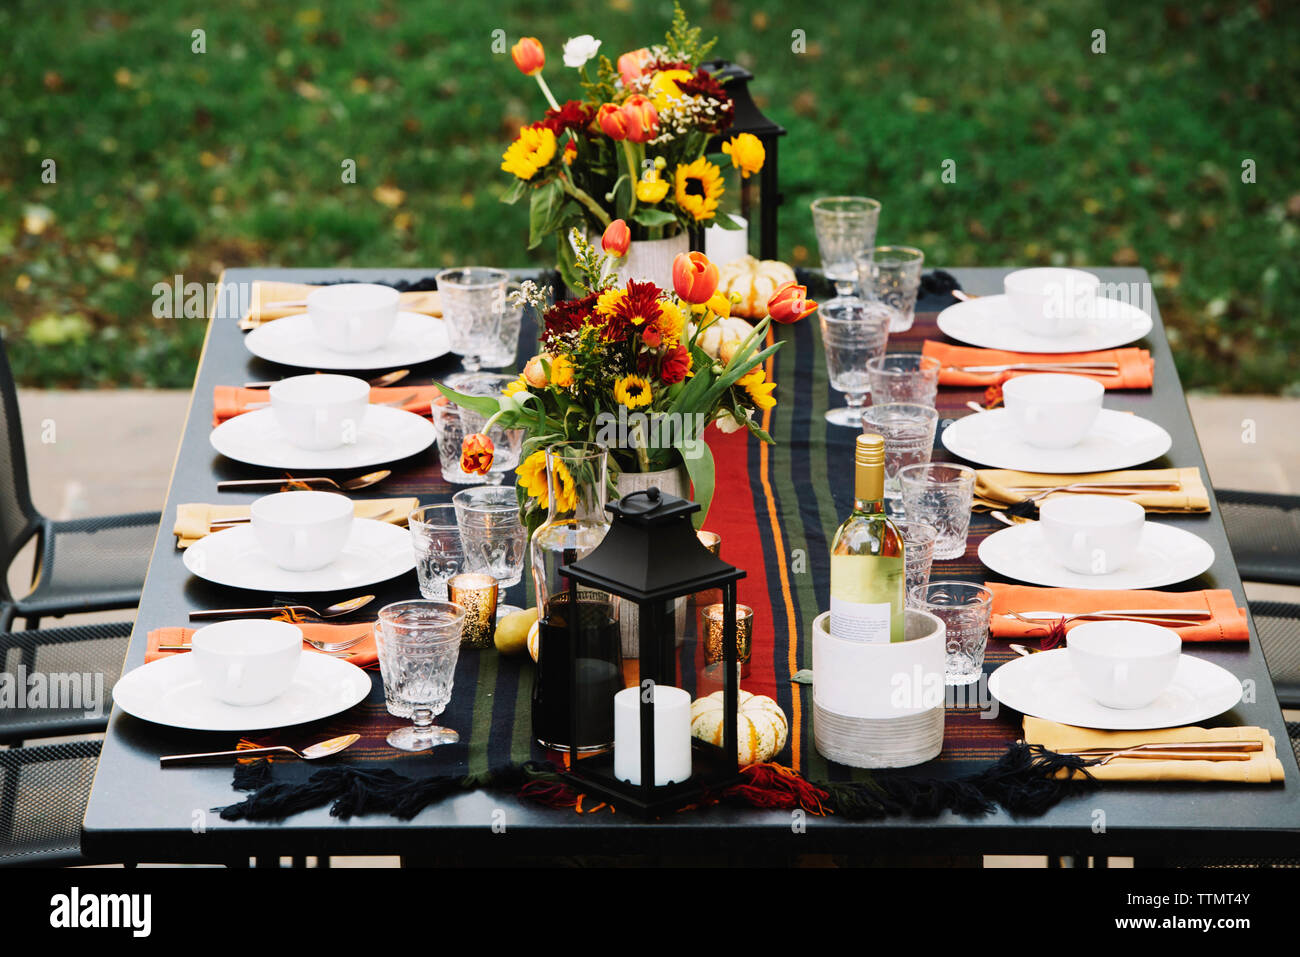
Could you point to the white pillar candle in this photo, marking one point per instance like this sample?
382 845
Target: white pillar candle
672 709
724 246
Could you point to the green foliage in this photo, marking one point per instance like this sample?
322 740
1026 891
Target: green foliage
174 162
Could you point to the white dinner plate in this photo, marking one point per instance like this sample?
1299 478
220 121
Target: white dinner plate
987 322
385 435
376 552
292 341
1166 556
168 691
1117 441
1044 686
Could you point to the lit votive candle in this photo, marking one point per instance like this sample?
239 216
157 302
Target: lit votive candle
672 710
477 594
712 617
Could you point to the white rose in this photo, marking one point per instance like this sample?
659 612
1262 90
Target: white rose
728 423
578 50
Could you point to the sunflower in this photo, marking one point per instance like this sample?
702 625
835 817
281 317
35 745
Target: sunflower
633 391
699 185
532 479
759 390
533 150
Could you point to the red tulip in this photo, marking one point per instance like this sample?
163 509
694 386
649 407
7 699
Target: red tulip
642 119
528 56
631 64
476 453
695 279
613 121
616 239
790 303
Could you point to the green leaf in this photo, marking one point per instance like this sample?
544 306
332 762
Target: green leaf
516 192
802 677
545 212
701 470
482 404
725 221
654 217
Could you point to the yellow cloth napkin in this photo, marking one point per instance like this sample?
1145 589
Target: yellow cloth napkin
194 520
992 487
1262 768
266 296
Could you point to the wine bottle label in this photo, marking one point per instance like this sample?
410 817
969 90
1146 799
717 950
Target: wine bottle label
860 621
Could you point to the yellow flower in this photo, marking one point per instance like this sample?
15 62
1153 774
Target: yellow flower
650 189
746 152
562 371
671 322
719 304
633 391
699 185
533 150
760 392
609 300
753 377
532 476
664 88
566 496
519 385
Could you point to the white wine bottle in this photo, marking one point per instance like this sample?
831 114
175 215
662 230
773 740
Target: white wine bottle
867 570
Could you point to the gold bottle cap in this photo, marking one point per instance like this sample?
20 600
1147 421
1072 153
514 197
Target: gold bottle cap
870 449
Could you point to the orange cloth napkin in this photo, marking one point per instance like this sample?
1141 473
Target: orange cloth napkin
363 654
1135 365
267 296
229 401
1228 624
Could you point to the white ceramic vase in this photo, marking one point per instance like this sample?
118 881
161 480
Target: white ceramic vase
650 260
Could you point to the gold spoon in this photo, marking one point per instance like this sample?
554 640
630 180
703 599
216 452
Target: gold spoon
333 611
347 485
312 752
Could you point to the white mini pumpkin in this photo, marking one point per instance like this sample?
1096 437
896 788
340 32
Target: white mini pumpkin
761 725
755 281
729 329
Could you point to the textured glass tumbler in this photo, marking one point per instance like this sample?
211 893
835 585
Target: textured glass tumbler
845 228
853 333
964 609
908 430
449 429
439 554
941 495
918 551
495 540
505 346
506 443
418 644
892 275
904 377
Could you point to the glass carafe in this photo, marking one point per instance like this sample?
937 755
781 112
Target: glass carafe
575 525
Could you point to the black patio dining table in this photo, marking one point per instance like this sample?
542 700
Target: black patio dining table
140 812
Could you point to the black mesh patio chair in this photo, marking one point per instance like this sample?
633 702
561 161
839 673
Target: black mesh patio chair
43 795
1264 533
82 565
82 663
1278 626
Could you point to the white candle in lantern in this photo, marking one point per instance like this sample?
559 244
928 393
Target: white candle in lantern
672 710
724 246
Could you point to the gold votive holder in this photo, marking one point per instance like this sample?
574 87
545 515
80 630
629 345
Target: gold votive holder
477 594
710 540
711 629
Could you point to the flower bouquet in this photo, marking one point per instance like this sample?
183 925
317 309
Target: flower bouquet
623 366
632 148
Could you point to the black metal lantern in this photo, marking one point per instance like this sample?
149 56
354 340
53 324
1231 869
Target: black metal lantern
650 556
748 118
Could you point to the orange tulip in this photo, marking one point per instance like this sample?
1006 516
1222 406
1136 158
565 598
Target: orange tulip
476 454
642 118
631 65
612 121
695 279
790 303
616 239
528 56
535 373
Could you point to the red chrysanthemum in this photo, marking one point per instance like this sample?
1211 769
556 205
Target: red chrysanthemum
705 86
637 311
568 315
675 365
573 115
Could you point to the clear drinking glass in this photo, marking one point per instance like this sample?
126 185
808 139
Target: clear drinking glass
846 228
853 333
505 346
918 551
904 377
473 302
439 554
908 430
418 644
450 431
495 539
940 494
507 443
964 608
892 275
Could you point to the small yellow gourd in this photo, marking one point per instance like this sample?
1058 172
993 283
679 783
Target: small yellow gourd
755 281
761 725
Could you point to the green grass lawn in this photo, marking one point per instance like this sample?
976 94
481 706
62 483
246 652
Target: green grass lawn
175 162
